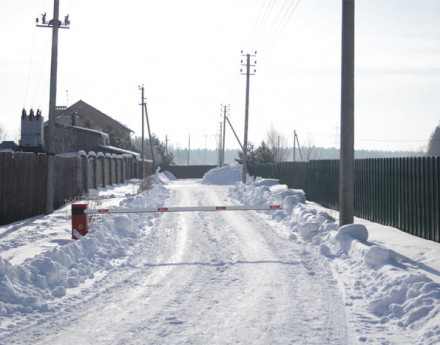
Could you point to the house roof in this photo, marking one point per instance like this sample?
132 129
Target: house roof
97 118
8 146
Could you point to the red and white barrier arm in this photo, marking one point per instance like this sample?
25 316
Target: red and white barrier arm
181 209
80 212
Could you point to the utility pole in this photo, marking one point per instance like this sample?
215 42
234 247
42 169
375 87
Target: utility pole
246 115
224 135
294 145
142 145
189 146
220 135
346 175
278 150
55 24
295 139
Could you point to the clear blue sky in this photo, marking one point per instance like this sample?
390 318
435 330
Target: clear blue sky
187 55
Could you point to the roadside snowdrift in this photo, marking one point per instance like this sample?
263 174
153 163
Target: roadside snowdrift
375 279
38 282
384 291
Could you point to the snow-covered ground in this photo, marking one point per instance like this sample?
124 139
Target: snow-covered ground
245 277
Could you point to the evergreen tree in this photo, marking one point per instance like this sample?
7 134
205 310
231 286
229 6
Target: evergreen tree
251 159
434 143
264 154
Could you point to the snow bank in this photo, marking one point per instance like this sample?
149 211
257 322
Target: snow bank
393 293
169 175
223 176
36 283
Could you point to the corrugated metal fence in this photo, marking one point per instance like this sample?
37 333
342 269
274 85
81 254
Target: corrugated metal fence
23 180
400 192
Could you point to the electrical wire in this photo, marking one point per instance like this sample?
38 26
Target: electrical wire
262 23
276 21
281 25
251 34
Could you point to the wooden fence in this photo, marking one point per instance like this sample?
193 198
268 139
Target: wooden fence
400 192
23 179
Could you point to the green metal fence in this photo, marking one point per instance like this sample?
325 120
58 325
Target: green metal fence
400 192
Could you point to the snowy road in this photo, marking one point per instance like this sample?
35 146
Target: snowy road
289 276
204 278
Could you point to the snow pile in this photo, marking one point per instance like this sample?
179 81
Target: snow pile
36 284
169 175
223 176
377 280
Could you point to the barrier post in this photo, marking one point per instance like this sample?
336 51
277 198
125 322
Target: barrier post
80 221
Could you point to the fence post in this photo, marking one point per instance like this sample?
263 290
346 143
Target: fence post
85 172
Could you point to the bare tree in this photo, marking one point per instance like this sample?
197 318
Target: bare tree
277 144
310 151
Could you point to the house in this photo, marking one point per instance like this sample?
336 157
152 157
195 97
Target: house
86 116
82 127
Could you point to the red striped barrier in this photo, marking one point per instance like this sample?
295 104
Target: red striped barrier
80 212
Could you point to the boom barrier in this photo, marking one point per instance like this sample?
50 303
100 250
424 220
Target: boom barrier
80 222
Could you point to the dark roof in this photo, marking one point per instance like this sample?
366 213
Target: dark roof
97 118
8 145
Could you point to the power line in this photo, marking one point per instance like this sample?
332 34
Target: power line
281 25
251 34
263 21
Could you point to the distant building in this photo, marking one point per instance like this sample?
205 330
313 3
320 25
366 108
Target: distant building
81 114
73 139
82 127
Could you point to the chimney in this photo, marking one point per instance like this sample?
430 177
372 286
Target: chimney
74 118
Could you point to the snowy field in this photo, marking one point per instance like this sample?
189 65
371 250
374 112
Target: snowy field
288 276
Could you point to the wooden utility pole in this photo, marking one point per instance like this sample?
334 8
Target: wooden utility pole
346 175
55 24
246 114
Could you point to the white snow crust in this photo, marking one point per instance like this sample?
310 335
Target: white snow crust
256 277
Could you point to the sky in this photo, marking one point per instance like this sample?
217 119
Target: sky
187 54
